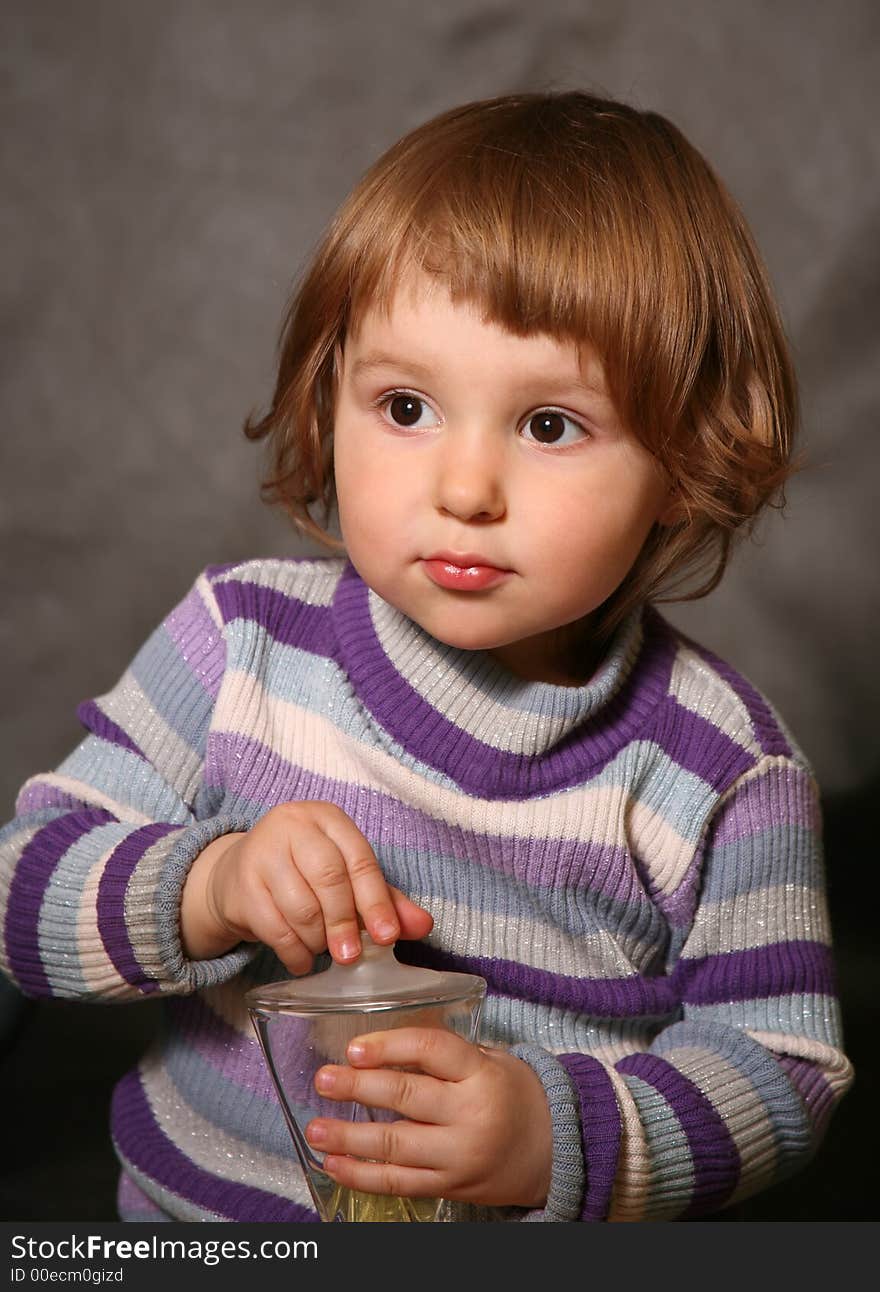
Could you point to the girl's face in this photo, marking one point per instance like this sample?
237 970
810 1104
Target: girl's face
486 485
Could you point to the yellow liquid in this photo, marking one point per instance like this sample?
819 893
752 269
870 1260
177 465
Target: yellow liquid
352 1204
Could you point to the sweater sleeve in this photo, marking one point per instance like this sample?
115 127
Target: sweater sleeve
93 866
736 1093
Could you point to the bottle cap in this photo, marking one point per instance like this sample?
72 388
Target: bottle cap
375 980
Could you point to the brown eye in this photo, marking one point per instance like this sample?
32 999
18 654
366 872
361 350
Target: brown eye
408 411
551 427
405 409
547 428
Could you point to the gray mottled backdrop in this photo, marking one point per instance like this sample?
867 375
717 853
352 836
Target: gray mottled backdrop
167 168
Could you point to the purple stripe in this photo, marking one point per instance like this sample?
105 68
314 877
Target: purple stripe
814 1089
288 621
633 997
144 1144
779 969
698 746
37 796
111 902
243 766
781 796
716 1162
477 767
678 906
97 722
765 725
36 866
600 1130
201 648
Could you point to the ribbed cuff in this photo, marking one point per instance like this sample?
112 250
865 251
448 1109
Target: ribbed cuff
601 1128
196 974
565 1197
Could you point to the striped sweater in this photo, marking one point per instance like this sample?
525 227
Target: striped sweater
633 865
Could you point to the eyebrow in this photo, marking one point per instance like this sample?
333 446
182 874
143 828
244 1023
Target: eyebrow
376 359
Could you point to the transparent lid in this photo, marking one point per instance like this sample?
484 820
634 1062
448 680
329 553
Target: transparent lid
376 978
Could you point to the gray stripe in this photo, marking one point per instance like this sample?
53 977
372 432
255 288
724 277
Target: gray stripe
813 1016
509 1021
672 1170
110 770
568 1175
782 854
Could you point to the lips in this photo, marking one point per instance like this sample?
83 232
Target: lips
463 571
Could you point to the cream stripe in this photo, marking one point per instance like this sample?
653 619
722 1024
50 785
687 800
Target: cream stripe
666 855
206 592
313 583
531 942
758 918
632 1183
699 689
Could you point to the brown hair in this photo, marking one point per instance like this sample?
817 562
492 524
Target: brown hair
588 220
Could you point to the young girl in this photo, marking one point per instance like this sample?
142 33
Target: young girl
537 368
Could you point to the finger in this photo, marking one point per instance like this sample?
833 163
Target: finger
435 1051
372 894
269 926
410 1094
415 921
297 903
328 911
405 1143
384 1178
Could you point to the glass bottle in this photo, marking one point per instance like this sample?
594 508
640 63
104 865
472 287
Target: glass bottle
304 1023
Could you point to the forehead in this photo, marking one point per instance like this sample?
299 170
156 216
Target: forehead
419 321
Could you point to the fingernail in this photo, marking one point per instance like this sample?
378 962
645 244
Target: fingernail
316 1132
349 949
386 929
325 1079
356 1050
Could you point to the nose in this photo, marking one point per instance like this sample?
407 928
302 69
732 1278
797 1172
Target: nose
469 475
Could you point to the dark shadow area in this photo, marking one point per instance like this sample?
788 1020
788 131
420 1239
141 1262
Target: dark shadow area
58 1162
61 1060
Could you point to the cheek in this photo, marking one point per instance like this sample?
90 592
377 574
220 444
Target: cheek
349 466
365 492
606 524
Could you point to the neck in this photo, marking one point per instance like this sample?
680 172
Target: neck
567 656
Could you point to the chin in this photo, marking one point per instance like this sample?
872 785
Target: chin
463 637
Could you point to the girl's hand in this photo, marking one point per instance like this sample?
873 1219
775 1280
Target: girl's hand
297 882
477 1126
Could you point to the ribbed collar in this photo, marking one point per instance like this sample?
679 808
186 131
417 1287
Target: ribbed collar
464 714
